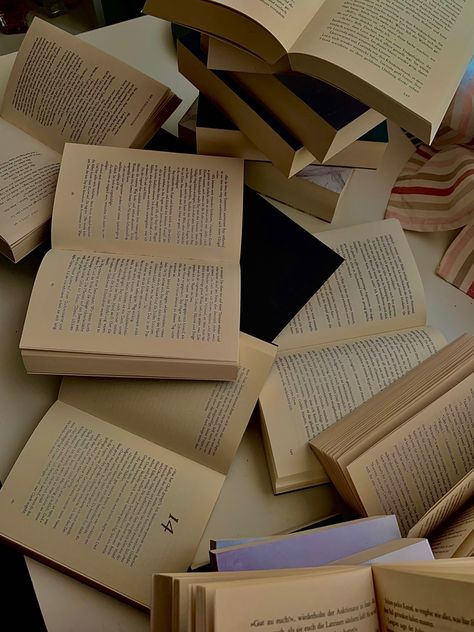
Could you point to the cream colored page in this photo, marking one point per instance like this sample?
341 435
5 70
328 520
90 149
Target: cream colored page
446 540
405 49
340 602
149 203
224 56
310 388
139 306
408 471
416 602
62 89
376 289
203 421
28 175
284 19
105 503
446 506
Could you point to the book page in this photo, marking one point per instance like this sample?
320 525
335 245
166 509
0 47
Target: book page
104 503
310 388
340 601
148 203
450 539
417 601
446 506
28 175
404 49
408 471
117 304
376 289
62 89
203 421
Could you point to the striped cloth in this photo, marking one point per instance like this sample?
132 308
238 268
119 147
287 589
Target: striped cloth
435 190
457 265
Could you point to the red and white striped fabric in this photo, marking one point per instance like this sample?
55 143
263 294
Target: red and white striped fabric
457 265
435 190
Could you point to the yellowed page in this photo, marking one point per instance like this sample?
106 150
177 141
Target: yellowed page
149 203
285 19
127 305
28 175
408 471
104 503
340 601
376 289
446 506
414 52
416 601
62 89
184 593
203 421
456 537
224 56
312 387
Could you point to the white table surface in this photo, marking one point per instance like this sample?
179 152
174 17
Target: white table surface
246 505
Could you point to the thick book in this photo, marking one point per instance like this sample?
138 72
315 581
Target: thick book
409 449
363 330
323 118
143 279
120 476
432 595
174 594
313 547
315 190
215 134
404 61
268 133
62 89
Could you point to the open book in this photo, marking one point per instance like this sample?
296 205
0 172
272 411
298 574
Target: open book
174 594
120 477
409 450
360 332
143 279
403 60
426 596
60 90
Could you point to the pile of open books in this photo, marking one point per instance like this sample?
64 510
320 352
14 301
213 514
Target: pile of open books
165 266
302 90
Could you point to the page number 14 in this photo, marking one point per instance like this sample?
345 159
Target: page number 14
169 524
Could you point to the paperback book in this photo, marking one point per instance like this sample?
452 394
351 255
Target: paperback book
364 329
143 279
62 89
120 477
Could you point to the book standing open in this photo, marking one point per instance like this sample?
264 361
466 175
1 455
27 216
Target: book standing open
62 89
409 449
424 596
120 477
143 279
174 594
363 330
404 60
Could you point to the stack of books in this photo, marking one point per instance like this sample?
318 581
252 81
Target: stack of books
298 84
